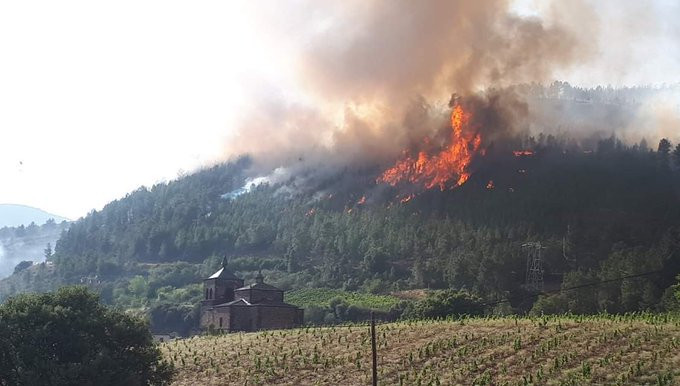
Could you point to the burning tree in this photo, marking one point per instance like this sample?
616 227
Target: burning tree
447 168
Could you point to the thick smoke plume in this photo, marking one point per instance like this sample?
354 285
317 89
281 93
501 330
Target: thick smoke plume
375 78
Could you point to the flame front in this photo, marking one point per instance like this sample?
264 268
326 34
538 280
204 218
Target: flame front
448 168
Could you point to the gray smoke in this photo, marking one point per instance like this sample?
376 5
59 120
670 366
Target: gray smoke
375 77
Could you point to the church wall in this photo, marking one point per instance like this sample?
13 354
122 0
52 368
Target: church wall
212 317
258 296
242 318
269 317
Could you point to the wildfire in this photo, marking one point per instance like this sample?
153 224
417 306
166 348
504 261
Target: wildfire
490 185
310 212
450 164
523 153
362 200
406 199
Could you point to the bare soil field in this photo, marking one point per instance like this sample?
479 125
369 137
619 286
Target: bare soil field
565 350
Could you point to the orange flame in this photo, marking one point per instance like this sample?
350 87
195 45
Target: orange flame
490 185
407 198
520 153
362 200
450 164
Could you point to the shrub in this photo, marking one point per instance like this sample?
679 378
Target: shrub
440 304
70 338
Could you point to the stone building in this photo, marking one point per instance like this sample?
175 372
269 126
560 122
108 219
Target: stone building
230 306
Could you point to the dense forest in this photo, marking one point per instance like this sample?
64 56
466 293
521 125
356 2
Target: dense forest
600 213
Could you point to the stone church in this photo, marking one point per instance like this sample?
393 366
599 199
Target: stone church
230 306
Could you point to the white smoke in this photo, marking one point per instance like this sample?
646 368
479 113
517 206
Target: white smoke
278 175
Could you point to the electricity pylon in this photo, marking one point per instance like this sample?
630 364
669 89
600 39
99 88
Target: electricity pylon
534 278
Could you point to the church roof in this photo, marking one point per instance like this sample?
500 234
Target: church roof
259 286
224 273
244 302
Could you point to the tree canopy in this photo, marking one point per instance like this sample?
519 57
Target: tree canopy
69 338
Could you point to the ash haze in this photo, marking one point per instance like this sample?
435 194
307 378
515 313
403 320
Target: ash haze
97 99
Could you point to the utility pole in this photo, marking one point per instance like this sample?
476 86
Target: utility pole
374 352
534 277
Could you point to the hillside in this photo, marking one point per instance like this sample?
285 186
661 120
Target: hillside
574 350
12 215
27 244
601 213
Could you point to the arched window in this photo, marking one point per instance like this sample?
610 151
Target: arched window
211 295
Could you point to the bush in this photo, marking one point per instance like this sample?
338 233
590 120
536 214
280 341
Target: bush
170 317
440 304
69 338
315 314
550 305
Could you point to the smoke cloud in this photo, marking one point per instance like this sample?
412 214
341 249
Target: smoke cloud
375 77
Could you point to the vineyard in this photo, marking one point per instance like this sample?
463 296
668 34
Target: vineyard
565 350
322 297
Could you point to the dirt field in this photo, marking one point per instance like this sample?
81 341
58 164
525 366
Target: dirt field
502 351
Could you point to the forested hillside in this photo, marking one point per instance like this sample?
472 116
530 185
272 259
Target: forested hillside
601 213
20 246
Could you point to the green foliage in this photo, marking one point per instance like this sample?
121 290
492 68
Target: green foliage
676 290
69 338
138 286
553 304
613 208
440 304
329 306
173 317
323 297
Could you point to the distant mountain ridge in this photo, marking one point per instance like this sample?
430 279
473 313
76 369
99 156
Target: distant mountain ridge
13 215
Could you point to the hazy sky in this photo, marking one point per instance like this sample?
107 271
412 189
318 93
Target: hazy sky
98 98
